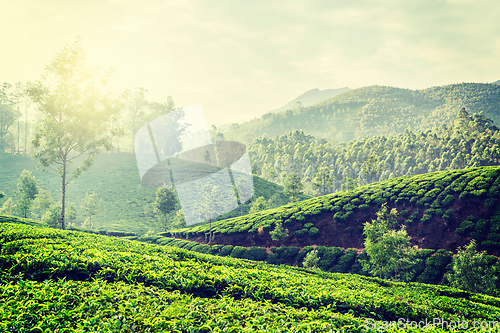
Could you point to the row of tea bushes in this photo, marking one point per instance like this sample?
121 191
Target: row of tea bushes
55 280
430 265
431 197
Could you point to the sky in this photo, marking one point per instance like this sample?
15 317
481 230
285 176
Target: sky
240 59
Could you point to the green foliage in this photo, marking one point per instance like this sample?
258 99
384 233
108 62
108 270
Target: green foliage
293 186
311 259
27 189
256 253
8 207
471 271
188 291
90 206
258 205
77 115
225 251
238 252
313 232
279 233
448 200
389 250
435 267
165 202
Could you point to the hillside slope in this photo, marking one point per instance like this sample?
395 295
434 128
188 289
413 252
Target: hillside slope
442 210
115 180
55 280
470 141
311 97
376 110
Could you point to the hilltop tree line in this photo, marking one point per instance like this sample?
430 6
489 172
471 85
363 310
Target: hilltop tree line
323 167
375 111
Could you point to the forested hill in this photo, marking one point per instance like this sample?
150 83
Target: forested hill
376 110
441 210
311 97
470 141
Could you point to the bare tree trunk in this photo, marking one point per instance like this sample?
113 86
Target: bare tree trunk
63 194
210 233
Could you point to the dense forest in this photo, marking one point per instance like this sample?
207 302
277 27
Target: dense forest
469 141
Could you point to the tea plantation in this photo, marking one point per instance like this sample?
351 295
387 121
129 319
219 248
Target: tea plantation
68 281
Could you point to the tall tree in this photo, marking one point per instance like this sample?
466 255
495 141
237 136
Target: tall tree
136 109
293 186
8 116
165 202
323 180
210 205
27 189
77 114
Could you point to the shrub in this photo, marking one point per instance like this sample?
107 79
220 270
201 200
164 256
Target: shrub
215 249
201 248
345 262
290 253
472 271
273 258
313 232
225 251
302 254
279 233
364 206
238 252
311 259
300 233
308 225
435 267
481 225
256 253
425 219
490 203
448 214
448 200
329 257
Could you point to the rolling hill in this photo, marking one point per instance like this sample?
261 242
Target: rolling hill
54 280
115 180
441 210
376 110
310 97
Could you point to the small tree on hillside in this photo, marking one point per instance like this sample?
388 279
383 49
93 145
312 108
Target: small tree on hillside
279 233
165 202
179 220
27 189
258 204
211 205
8 207
90 206
389 250
43 201
293 186
471 271
311 259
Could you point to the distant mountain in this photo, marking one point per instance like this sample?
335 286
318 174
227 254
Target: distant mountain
311 97
375 110
496 82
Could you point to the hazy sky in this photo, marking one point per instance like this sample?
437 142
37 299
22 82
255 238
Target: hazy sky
240 59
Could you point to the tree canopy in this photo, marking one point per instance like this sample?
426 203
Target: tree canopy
77 115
